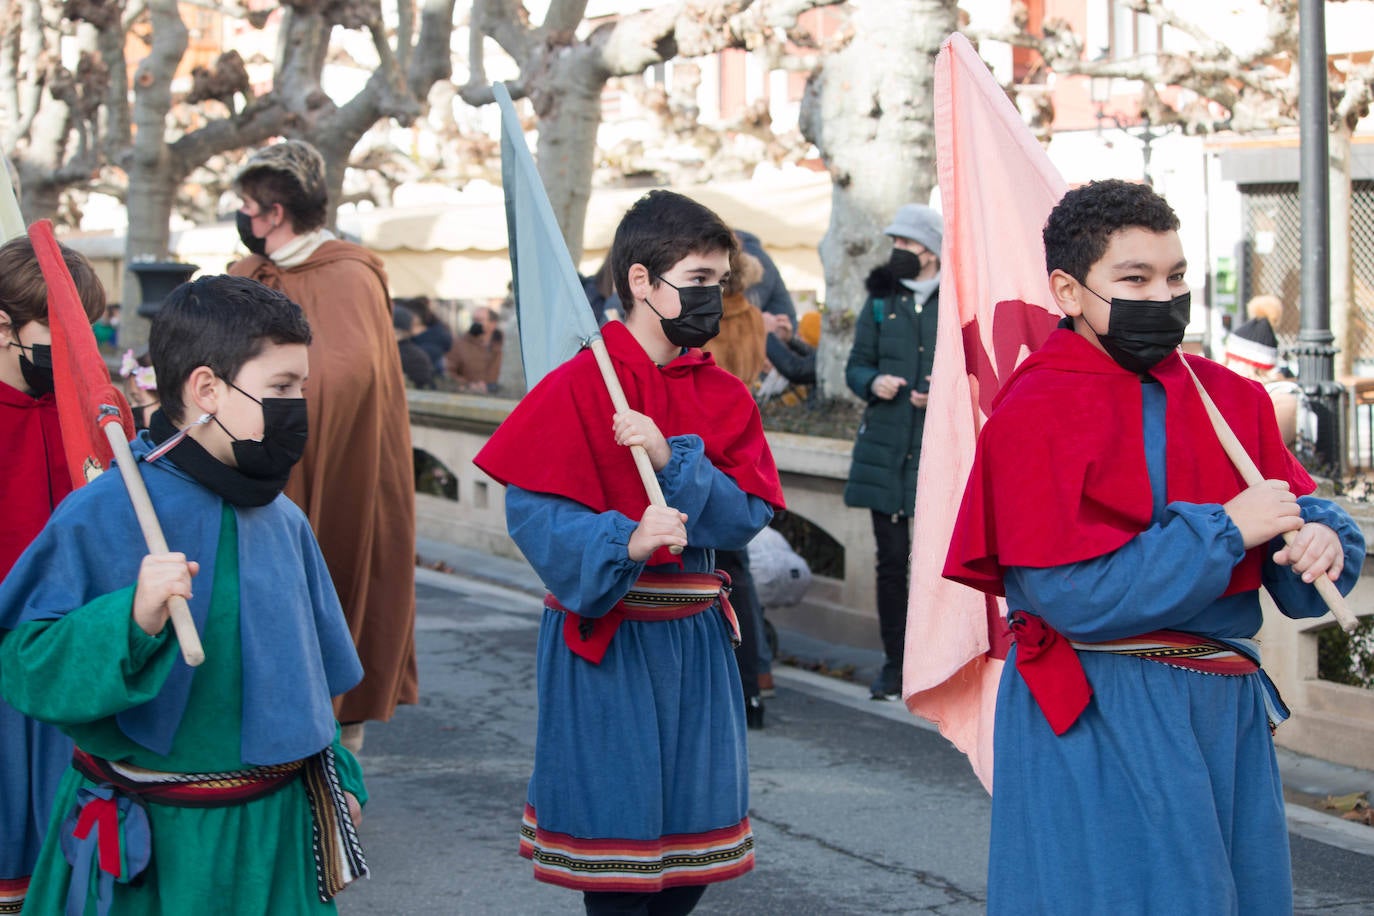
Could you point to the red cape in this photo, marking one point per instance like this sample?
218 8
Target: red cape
1059 476
558 439
35 478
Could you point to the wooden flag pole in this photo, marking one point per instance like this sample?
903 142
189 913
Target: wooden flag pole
642 462
1335 601
182 623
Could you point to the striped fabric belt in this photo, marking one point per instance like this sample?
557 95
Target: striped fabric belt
1183 650
109 824
1049 664
654 596
187 790
12 892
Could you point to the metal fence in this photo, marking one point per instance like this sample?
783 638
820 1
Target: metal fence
1271 262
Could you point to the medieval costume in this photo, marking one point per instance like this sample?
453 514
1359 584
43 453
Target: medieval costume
640 778
230 783
32 754
356 480
1134 769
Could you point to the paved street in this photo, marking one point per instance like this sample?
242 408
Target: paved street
856 809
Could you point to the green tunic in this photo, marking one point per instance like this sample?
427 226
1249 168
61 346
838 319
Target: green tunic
250 858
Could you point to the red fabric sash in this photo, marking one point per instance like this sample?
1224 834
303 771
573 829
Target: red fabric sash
654 596
102 814
1051 670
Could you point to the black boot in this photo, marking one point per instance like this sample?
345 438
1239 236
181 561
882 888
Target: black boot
753 712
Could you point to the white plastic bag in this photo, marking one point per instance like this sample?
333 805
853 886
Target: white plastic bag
781 576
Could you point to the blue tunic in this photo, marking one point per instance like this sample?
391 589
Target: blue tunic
33 756
650 742
1164 797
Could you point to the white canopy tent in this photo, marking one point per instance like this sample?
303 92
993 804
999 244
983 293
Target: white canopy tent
457 249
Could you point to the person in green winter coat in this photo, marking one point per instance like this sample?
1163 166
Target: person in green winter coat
889 368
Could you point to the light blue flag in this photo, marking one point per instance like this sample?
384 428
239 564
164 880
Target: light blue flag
550 305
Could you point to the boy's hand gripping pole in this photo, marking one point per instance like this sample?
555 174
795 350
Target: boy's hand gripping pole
1335 601
180 612
642 462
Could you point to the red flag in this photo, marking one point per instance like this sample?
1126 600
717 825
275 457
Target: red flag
997 187
86 398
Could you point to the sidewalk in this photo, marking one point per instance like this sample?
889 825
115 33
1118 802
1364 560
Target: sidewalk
1307 780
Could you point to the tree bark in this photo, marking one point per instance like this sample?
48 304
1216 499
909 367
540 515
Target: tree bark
870 111
566 152
149 163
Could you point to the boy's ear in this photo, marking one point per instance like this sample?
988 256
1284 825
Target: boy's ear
641 282
6 327
1065 290
202 391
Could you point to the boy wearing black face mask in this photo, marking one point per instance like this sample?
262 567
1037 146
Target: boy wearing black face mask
638 684
1133 759
88 646
889 368
32 754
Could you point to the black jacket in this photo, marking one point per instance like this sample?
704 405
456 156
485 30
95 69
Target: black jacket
892 336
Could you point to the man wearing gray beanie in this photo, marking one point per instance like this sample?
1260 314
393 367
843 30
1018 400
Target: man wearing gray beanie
889 368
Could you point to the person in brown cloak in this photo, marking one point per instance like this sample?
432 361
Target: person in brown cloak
356 480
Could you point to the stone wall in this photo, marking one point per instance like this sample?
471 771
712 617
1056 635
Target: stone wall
1330 721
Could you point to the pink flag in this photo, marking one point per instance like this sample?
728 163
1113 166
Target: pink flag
997 187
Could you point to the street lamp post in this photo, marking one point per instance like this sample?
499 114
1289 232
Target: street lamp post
1315 351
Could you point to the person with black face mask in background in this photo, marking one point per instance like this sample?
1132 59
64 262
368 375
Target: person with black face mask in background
889 368
356 481
35 479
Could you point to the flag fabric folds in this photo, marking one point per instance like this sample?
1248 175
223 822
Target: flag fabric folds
81 377
555 320
997 187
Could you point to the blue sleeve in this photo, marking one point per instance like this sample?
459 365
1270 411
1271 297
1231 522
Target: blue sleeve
1297 598
793 359
1155 581
582 556
720 515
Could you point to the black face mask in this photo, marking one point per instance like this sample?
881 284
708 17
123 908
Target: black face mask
284 431
904 264
37 371
255 245
1141 332
699 319
229 484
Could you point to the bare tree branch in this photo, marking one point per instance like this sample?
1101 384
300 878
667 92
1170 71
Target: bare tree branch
564 15
432 61
260 121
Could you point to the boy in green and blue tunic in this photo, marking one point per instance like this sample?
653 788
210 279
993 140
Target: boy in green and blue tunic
194 789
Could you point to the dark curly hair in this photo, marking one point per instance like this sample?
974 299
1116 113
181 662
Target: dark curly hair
1080 226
